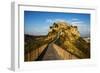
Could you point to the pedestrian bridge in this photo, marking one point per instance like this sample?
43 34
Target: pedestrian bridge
49 51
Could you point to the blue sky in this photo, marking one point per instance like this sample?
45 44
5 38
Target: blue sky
38 23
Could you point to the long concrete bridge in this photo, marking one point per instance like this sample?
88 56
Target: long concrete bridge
49 51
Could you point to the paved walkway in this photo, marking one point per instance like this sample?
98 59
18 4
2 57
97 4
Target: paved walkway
51 54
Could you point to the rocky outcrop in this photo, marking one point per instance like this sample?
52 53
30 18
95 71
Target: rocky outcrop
68 37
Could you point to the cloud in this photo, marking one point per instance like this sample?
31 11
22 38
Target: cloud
75 19
60 20
83 27
77 22
49 21
55 20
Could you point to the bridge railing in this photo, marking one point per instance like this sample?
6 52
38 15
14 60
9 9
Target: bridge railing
34 54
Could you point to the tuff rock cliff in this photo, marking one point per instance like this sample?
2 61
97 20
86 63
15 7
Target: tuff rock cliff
68 37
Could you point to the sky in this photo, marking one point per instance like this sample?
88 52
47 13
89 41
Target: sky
38 23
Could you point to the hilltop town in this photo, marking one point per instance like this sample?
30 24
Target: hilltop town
63 38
